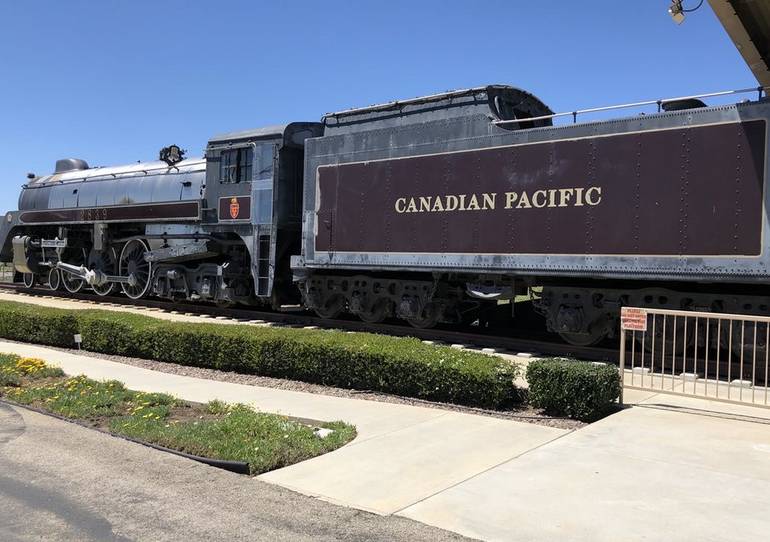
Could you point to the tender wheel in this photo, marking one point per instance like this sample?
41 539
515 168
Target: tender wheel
54 279
743 345
584 339
427 319
331 308
673 334
72 283
376 314
132 262
29 280
106 262
467 318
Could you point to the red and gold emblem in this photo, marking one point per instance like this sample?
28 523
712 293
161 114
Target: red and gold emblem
235 208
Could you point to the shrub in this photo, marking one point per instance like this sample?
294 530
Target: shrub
42 325
578 389
364 361
109 333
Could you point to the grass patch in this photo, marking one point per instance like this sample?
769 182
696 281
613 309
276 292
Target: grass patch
364 361
14 368
264 441
216 430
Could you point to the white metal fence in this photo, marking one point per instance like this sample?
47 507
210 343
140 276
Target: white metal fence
710 355
6 273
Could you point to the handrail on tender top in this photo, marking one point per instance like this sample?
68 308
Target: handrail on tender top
659 103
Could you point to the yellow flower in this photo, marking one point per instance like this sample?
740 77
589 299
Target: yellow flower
29 366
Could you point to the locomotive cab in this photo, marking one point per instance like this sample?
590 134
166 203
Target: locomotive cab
254 189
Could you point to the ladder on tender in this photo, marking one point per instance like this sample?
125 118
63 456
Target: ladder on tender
263 265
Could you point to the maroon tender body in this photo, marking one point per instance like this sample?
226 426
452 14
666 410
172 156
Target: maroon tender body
651 193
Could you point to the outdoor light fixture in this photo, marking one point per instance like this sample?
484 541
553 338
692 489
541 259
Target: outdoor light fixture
677 11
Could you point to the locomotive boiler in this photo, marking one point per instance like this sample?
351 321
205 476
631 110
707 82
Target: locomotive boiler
440 209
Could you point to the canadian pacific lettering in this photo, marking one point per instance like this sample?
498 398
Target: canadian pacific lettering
488 201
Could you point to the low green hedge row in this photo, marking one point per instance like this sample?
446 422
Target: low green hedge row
401 366
579 389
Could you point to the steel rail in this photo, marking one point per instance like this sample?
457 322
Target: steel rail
473 340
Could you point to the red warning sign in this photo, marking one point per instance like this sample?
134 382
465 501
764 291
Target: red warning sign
633 319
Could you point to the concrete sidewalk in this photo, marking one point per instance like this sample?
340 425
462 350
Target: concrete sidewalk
403 454
669 468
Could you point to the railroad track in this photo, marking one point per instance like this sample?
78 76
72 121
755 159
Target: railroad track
519 343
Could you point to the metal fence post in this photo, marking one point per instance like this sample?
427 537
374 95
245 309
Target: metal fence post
622 363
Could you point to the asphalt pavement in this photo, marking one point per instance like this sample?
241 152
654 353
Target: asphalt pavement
60 481
668 468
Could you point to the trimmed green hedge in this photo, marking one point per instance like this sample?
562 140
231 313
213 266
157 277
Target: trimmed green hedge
34 324
401 366
578 389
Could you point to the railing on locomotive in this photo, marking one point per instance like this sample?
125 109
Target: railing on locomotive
659 103
715 356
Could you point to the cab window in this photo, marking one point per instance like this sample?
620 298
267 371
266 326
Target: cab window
235 165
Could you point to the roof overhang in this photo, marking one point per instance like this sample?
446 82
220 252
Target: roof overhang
747 22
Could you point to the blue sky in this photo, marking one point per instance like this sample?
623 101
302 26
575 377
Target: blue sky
113 82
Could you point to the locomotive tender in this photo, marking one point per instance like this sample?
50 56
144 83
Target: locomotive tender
431 210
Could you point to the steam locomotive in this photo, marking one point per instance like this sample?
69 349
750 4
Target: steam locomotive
440 209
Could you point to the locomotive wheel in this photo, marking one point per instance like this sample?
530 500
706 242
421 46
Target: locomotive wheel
29 280
331 308
104 262
743 344
54 279
132 262
377 313
428 317
72 283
